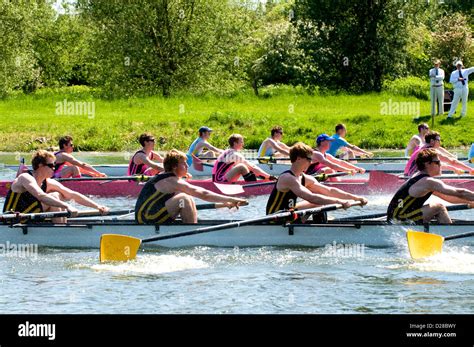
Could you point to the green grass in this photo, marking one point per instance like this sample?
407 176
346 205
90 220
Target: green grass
30 122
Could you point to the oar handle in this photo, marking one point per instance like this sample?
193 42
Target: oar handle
211 206
272 217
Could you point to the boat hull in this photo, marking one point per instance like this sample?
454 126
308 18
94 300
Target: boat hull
377 234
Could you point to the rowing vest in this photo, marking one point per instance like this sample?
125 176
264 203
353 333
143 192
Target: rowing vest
279 201
137 169
23 202
314 167
58 166
221 167
150 207
411 167
405 207
193 151
265 151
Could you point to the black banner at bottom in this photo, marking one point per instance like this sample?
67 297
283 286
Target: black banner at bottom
65 330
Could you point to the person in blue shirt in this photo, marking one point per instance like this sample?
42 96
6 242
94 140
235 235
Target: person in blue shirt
340 143
200 143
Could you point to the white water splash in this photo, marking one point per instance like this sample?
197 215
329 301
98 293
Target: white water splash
153 264
452 259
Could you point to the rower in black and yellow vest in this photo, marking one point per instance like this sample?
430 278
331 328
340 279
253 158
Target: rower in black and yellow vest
151 204
294 184
23 202
33 192
408 203
282 201
166 196
404 207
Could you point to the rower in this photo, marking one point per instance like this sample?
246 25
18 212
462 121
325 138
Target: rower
347 150
231 164
36 191
68 166
166 196
145 161
272 146
293 184
418 140
200 144
448 161
408 202
322 162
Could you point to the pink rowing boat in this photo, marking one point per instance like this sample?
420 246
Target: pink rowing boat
377 183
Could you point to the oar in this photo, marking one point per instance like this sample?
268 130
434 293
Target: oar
387 159
43 215
424 245
140 178
231 189
115 247
384 214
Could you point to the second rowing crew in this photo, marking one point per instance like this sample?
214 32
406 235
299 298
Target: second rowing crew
166 197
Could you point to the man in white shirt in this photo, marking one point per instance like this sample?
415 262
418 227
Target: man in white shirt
436 88
459 79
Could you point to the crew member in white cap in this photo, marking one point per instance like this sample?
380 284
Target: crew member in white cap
459 79
436 88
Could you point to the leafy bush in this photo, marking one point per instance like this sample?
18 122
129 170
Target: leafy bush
409 86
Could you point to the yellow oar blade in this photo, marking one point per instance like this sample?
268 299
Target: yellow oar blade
118 247
424 245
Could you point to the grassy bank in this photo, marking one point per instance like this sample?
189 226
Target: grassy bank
30 122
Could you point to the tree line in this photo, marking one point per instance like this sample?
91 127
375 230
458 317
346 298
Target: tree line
129 48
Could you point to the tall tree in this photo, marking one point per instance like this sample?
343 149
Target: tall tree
353 45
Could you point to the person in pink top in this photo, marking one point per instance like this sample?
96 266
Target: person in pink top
230 165
145 161
448 161
67 165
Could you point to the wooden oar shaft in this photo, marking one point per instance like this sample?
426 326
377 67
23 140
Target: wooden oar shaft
459 236
268 218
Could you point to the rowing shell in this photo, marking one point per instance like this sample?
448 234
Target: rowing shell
361 233
377 183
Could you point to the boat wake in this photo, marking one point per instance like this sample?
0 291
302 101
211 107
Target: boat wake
452 259
153 264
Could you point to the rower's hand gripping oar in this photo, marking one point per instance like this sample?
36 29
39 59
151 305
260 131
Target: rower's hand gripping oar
114 247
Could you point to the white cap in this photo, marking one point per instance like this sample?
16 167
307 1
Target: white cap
459 62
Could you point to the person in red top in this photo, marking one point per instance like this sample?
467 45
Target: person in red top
145 161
